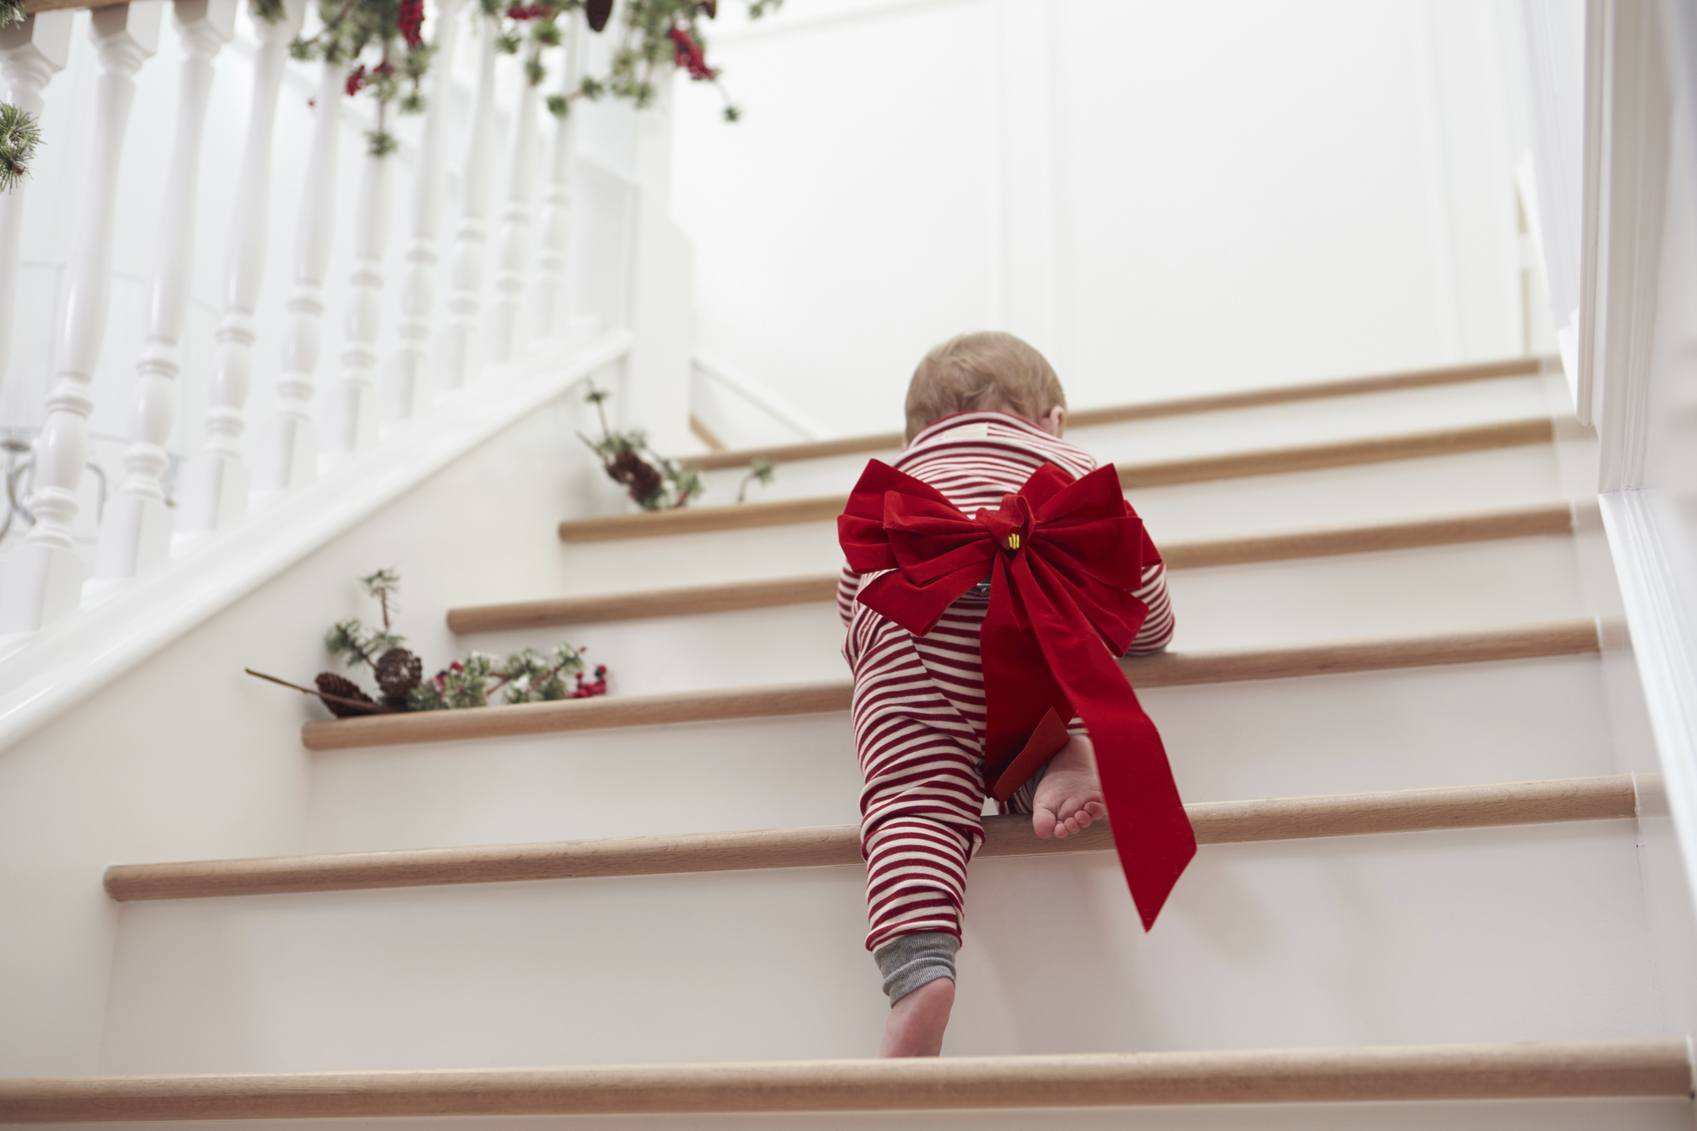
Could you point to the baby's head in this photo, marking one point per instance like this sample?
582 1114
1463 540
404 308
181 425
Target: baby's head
985 372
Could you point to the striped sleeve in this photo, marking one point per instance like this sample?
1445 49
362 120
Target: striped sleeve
1157 630
848 584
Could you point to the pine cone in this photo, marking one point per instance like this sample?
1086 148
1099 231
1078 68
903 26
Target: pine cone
398 673
641 477
329 683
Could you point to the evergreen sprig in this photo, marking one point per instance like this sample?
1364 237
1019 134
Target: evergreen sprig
20 134
652 481
12 12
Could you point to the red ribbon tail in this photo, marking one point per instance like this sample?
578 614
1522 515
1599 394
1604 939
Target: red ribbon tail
1152 833
1045 742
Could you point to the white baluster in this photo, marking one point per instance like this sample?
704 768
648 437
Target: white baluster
291 452
42 579
31 53
215 484
356 414
556 202
418 290
515 229
136 533
465 294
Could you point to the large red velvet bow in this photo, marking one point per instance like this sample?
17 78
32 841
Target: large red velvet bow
1062 557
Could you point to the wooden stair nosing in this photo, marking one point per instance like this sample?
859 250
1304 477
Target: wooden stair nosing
1152 410
737 596
1363 1074
1190 469
1610 797
1166 669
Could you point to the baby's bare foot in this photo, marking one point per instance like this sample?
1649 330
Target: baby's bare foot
916 1022
1069 796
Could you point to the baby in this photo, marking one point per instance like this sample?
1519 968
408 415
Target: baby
984 412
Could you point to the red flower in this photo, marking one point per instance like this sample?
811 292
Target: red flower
409 21
356 79
687 54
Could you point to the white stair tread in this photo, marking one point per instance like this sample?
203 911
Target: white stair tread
1345 733
1373 493
1333 418
1531 932
1404 592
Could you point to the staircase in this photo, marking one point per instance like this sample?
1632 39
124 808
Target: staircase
1418 903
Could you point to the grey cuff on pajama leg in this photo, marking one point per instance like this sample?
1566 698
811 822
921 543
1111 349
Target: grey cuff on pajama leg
909 961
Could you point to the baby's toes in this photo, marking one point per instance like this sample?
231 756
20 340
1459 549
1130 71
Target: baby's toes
1043 823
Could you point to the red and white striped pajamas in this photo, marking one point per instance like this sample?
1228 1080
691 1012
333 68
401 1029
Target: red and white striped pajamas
918 707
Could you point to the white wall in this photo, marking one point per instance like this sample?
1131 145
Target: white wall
1164 197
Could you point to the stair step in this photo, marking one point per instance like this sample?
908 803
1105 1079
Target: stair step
1168 669
1517 522
1609 797
1193 469
1180 406
1334 1075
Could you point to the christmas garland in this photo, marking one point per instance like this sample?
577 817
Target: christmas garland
526 676
653 482
20 134
654 32
12 12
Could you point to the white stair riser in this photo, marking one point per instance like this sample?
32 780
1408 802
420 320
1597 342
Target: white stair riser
1270 604
1421 727
1372 493
1478 935
1207 433
1500 1115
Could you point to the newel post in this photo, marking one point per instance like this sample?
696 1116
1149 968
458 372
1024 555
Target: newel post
31 53
662 296
215 489
136 533
465 288
418 288
290 455
42 579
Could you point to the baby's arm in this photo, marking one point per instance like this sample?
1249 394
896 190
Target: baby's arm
1157 630
848 584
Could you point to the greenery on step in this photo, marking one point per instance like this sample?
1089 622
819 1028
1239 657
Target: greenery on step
20 134
525 676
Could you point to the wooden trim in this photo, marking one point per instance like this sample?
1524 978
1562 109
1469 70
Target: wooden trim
1160 473
705 434
737 596
1168 669
1225 822
1363 1074
33 6
1182 406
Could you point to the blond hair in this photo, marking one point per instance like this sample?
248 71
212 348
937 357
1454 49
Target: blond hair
987 371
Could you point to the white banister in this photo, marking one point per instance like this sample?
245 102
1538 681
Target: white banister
556 201
291 453
135 535
42 579
355 420
465 295
215 487
418 288
515 229
31 53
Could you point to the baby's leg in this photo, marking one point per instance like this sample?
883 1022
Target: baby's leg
920 825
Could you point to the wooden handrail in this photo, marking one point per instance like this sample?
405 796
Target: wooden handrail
1182 406
1364 1074
1168 669
1160 473
1548 518
1223 822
